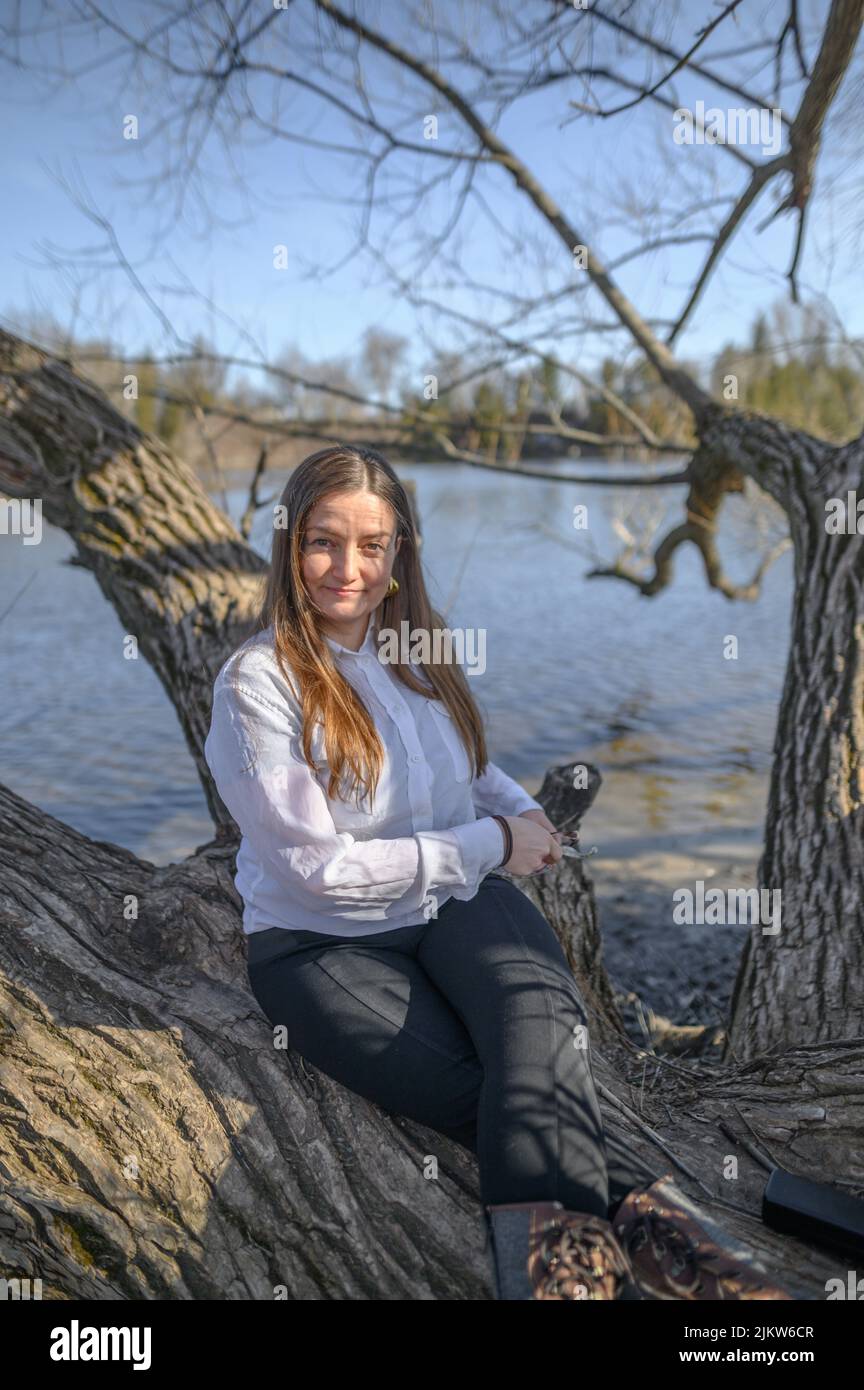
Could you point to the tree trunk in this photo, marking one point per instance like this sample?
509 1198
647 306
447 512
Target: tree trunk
154 1144
182 580
806 983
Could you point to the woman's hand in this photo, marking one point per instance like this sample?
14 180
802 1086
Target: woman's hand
534 848
541 818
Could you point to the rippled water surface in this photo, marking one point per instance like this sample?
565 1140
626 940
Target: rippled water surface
575 668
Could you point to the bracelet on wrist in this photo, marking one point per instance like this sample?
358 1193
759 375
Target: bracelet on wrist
508 839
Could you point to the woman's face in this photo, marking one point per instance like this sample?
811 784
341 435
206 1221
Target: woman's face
347 554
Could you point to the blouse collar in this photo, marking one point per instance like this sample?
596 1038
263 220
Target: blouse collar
368 647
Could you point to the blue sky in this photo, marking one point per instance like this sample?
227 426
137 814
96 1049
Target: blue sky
283 193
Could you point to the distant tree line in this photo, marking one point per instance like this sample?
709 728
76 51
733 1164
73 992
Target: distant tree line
792 367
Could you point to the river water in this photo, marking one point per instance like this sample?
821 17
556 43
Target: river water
575 669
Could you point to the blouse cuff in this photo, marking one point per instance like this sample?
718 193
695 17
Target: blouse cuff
482 847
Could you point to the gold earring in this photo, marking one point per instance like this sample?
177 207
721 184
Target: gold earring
392 587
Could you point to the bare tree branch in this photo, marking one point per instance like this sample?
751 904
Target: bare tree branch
682 62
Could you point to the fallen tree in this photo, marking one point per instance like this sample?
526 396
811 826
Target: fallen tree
154 1143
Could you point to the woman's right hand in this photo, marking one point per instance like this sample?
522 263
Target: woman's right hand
533 847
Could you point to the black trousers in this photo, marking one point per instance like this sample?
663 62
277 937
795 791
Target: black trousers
471 1023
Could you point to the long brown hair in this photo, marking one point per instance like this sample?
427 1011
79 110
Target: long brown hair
301 651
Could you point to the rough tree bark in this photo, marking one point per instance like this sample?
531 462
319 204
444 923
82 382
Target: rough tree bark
807 983
154 1143
170 562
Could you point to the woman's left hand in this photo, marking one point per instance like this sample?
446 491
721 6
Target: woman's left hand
541 818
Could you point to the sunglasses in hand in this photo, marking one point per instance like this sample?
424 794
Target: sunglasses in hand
569 843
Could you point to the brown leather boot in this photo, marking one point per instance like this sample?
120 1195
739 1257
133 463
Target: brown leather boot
677 1251
542 1250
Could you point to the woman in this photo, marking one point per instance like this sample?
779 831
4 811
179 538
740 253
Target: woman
378 932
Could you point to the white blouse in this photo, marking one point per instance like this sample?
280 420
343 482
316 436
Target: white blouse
313 863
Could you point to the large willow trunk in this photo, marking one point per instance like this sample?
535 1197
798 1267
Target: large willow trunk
154 1144
805 984
181 579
